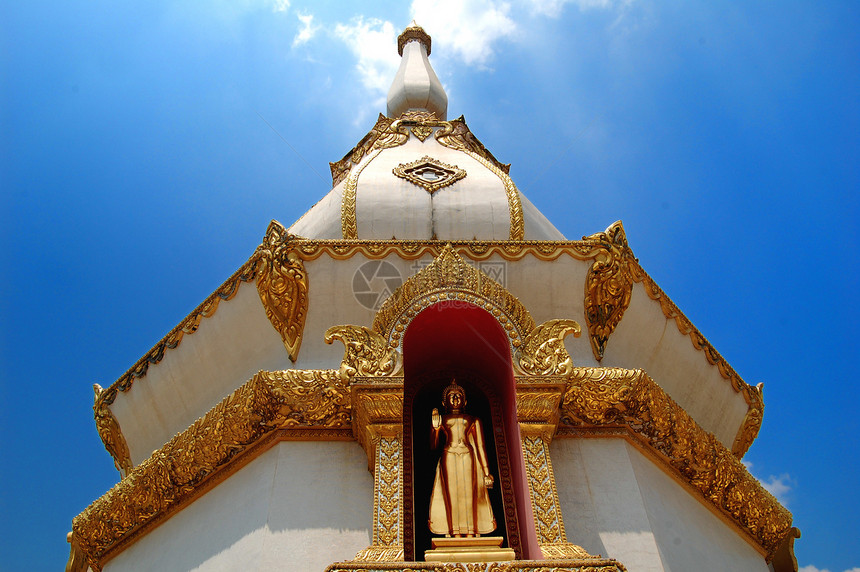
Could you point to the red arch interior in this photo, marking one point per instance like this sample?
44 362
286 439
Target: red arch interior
458 335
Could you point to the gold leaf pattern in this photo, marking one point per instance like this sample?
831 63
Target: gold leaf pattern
542 351
282 284
366 352
608 287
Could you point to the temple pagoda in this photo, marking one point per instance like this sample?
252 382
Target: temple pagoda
286 423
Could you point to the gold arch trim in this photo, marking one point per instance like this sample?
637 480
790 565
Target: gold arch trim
449 278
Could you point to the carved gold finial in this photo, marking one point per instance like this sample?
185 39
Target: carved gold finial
413 32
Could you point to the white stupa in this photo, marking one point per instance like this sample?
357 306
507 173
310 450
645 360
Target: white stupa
283 424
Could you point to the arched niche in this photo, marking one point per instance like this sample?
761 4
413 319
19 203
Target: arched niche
449 339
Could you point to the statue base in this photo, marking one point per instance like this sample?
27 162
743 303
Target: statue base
469 549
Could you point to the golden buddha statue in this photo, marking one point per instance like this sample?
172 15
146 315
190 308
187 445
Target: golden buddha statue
459 504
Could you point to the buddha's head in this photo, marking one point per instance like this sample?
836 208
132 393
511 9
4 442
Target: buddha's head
454 397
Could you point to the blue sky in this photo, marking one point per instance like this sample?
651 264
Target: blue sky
137 172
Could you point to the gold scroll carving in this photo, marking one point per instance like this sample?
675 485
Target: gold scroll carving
282 284
542 351
283 400
566 565
366 352
111 434
608 286
450 277
612 396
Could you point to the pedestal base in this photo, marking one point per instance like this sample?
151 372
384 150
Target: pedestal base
470 549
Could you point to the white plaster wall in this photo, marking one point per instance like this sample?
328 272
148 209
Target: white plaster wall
227 349
537 226
298 507
323 219
689 535
390 207
645 339
617 503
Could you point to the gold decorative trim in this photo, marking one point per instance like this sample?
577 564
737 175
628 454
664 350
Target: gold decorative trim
338 249
366 353
111 434
282 284
410 34
542 351
608 286
446 175
450 277
388 495
566 565
390 132
348 221
291 399
613 396
387 132
545 504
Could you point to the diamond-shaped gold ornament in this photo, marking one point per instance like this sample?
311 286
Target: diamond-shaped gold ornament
430 174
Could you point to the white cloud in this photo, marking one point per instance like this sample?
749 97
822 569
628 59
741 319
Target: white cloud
280 5
308 30
553 8
777 486
468 28
374 44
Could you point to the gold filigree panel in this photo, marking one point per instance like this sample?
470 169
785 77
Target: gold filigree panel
429 174
553 565
612 397
366 352
111 434
270 401
608 286
450 277
282 284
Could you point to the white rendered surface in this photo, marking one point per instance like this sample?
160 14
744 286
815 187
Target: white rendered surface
238 341
645 339
415 85
298 507
617 503
227 349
